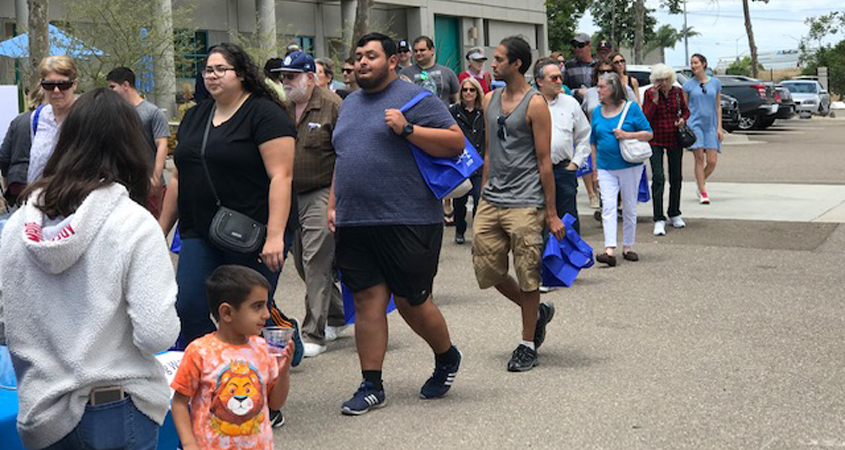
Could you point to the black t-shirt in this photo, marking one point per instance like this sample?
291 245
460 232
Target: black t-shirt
233 159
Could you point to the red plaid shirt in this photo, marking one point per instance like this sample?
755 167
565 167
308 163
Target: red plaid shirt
664 114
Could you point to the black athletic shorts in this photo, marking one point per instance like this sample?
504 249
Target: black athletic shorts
405 257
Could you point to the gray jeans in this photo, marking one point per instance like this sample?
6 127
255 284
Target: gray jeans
314 257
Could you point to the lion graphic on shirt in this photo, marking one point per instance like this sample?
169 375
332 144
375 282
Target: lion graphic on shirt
237 401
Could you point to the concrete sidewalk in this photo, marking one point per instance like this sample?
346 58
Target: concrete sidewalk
754 201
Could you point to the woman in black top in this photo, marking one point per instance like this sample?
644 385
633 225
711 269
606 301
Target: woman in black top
619 66
470 117
249 154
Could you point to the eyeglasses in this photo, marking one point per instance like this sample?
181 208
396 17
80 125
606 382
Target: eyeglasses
468 89
580 44
345 70
49 86
619 61
290 76
703 89
602 72
217 71
503 130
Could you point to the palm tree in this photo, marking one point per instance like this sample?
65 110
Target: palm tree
750 32
667 36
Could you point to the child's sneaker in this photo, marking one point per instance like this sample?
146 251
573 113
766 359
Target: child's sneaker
366 397
277 419
441 380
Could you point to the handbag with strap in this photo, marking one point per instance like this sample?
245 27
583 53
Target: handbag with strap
686 137
633 151
231 230
446 177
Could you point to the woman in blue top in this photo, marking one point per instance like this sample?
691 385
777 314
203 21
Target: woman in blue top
616 175
703 94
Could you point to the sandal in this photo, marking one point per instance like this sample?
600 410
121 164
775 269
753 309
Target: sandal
449 219
604 258
630 256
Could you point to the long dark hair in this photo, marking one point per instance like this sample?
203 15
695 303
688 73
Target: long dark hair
253 77
101 142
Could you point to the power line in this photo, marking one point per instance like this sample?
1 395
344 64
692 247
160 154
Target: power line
754 18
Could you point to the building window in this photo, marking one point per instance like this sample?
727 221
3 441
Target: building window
306 43
195 45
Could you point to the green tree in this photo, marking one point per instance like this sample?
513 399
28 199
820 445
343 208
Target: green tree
616 20
667 37
743 67
829 55
563 17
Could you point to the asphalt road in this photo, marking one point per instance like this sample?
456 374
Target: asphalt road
726 335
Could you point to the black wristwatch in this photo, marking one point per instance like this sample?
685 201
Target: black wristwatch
407 130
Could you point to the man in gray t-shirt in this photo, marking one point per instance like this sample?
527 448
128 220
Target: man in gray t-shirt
438 79
156 131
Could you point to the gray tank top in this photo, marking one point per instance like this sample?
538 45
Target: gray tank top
514 174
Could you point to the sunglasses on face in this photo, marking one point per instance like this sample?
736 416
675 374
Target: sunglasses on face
580 44
290 76
405 50
619 61
468 89
49 86
345 70
503 130
602 72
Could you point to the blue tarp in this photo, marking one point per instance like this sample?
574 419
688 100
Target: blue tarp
61 43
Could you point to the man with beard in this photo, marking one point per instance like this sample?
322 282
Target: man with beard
316 110
518 194
388 224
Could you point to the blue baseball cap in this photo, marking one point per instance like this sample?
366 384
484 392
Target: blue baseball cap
297 61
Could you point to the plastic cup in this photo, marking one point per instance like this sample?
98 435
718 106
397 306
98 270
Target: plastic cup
277 338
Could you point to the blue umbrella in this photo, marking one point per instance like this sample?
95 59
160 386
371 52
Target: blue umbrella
60 44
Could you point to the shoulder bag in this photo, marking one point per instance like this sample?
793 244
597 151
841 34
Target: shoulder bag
633 151
686 137
231 230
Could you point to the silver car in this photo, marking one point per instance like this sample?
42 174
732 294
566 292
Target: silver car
809 96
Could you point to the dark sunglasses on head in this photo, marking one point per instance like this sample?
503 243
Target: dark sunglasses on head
345 70
503 130
580 44
62 85
703 89
468 89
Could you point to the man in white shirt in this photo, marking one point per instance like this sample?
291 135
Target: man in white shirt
570 136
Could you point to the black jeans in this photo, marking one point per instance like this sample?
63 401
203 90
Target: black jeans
658 179
460 204
566 190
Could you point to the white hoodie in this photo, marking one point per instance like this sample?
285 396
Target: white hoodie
87 308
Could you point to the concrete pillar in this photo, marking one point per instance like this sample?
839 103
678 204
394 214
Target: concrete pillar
420 22
232 19
266 17
21 16
479 27
543 38
347 23
164 72
320 48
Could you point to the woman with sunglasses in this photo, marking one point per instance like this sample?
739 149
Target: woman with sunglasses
470 117
703 94
591 101
58 80
249 147
620 68
617 176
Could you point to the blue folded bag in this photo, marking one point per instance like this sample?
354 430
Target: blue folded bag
643 193
349 305
563 259
443 175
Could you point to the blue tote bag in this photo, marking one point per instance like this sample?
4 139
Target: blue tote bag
443 175
643 192
563 259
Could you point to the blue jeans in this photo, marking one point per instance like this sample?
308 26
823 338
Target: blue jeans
111 426
566 190
197 260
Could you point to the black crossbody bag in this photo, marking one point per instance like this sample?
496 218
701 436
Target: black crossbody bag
686 137
231 230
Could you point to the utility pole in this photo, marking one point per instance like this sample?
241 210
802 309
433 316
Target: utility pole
686 34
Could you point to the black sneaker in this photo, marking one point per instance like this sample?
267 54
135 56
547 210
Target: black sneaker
366 397
460 239
547 312
441 380
277 419
522 360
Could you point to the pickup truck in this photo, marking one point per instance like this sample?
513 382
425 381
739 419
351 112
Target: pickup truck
757 104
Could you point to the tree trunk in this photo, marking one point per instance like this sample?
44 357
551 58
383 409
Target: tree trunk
164 68
39 37
362 23
751 45
639 31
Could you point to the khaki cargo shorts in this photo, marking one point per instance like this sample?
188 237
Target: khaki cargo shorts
498 231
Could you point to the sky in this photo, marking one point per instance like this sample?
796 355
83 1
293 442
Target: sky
778 25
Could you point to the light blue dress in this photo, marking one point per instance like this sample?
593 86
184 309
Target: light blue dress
703 112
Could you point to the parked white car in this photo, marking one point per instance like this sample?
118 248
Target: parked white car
809 96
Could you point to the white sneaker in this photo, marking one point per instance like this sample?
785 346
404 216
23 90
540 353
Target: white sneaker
660 228
677 222
311 349
332 333
546 289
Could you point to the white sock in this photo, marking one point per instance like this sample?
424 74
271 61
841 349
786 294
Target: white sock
529 344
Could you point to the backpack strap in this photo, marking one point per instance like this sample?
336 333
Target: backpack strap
417 98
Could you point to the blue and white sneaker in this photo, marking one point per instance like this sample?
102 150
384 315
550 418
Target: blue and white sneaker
298 346
441 380
366 397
